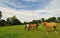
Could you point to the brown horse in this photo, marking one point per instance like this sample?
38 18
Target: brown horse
50 25
29 26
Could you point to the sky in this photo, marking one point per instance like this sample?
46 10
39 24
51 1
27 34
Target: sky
28 10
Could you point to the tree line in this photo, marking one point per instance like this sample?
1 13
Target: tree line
14 21
51 19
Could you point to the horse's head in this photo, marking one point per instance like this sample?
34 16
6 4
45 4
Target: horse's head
44 23
26 26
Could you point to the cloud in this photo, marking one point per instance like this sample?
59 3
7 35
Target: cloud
54 4
31 0
12 4
52 9
26 15
24 4
22 15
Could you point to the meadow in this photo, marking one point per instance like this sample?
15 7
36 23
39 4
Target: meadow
18 31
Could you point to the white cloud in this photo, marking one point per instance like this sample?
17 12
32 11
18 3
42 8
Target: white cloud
17 5
11 4
25 15
31 0
54 4
52 9
22 15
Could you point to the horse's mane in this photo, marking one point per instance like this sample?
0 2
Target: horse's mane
44 23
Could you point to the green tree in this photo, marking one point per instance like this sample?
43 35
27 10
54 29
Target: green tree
35 21
47 20
43 20
2 22
15 21
58 19
0 15
9 21
26 23
52 19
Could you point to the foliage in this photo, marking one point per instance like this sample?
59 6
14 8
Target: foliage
35 21
0 15
2 22
26 23
58 19
43 20
13 20
52 19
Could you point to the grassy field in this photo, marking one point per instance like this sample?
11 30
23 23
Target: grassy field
19 32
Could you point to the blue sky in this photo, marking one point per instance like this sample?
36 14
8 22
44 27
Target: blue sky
24 4
27 10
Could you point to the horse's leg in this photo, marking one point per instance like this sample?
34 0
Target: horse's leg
55 29
37 26
28 29
47 30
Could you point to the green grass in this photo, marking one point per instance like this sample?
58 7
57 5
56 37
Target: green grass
19 32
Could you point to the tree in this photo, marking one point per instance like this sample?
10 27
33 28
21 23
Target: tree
35 22
9 21
47 20
26 23
2 22
0 15
52 19
15 21
58 19
43 20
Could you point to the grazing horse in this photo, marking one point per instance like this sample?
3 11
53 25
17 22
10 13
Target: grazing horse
29 26
50 25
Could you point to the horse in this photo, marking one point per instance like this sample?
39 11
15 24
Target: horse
50 25
29 26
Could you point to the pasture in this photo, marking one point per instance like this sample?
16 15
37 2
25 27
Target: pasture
18 31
